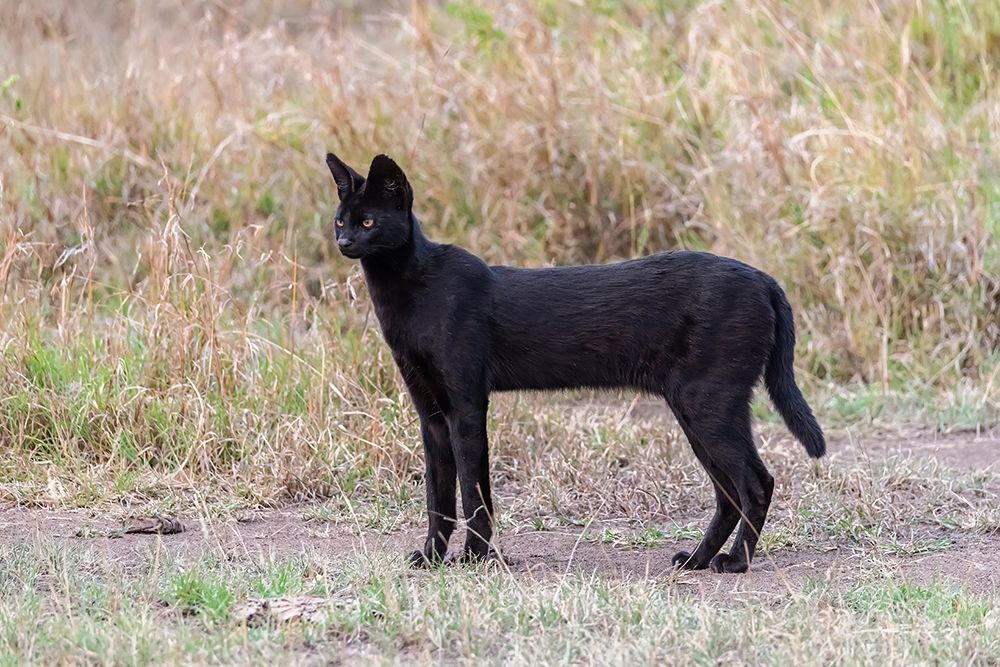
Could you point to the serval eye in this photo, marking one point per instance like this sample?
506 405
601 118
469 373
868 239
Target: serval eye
367 223
339 222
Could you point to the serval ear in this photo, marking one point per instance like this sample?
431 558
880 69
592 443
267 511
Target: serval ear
387 185
348 181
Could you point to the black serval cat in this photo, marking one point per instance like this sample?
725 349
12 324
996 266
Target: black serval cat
697 329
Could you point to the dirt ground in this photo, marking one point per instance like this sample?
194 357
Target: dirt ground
972 559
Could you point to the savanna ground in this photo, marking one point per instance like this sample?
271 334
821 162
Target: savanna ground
179 338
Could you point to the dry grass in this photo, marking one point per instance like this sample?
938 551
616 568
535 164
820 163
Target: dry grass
176 326
171 304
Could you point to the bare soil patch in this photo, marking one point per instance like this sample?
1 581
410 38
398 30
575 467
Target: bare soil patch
971 558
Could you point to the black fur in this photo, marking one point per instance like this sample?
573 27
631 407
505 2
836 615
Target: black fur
697 329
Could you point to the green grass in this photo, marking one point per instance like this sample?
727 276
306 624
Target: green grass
158 611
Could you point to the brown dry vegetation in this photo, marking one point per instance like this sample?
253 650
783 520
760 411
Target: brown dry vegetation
170 301
177 332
